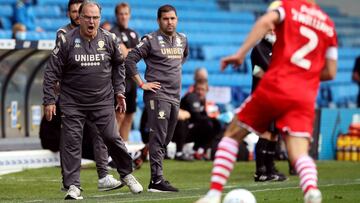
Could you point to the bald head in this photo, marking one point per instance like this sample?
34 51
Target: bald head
201 74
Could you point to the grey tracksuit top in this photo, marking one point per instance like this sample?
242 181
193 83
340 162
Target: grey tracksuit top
164 59
90 72
63 30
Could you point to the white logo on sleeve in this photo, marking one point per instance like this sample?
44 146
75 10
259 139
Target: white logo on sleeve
133 35
140 44
56 50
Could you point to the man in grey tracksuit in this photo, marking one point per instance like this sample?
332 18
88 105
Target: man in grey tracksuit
90 69
164 52
106 182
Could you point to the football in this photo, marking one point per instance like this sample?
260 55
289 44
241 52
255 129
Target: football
239 196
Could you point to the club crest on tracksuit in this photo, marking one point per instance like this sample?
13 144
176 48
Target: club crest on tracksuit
101 45
178 42
77 43
161 115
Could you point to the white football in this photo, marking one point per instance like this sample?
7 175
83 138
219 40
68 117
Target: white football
239 196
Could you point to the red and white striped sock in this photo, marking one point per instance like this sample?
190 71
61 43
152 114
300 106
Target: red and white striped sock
225 157
306 168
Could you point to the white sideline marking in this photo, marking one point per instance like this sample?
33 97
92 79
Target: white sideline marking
197 196
15 161
158 199
114 194
10 171
33 179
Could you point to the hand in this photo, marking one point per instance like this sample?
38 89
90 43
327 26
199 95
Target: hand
121 104
236 60
187 115
50 111
183 115
152 86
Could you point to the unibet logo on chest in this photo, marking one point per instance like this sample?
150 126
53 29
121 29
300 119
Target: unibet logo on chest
172 52
89 59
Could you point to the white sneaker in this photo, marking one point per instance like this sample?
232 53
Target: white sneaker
313 196
209 199
73 193
134 186
108 183
63 189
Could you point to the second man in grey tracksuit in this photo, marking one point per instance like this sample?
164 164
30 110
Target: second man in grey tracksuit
164 51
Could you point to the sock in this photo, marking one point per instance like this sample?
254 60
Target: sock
260 153
270 157
225 157
306 168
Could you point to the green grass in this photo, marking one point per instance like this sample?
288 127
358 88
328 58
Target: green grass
338 181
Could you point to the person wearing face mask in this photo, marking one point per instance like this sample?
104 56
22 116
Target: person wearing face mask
164 51
93 146
266 146
19 31
89 66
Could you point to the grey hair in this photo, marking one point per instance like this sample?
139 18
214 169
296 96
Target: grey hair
89 2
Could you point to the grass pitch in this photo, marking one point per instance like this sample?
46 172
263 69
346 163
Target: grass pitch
338 181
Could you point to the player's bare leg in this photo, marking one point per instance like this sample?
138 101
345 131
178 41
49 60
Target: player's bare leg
126 126
225 157
119 118
305 166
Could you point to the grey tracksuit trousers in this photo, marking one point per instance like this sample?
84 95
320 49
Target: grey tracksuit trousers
162 119
73 121
100 150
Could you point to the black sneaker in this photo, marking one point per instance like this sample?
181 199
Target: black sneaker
277 176
258 177
161 186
